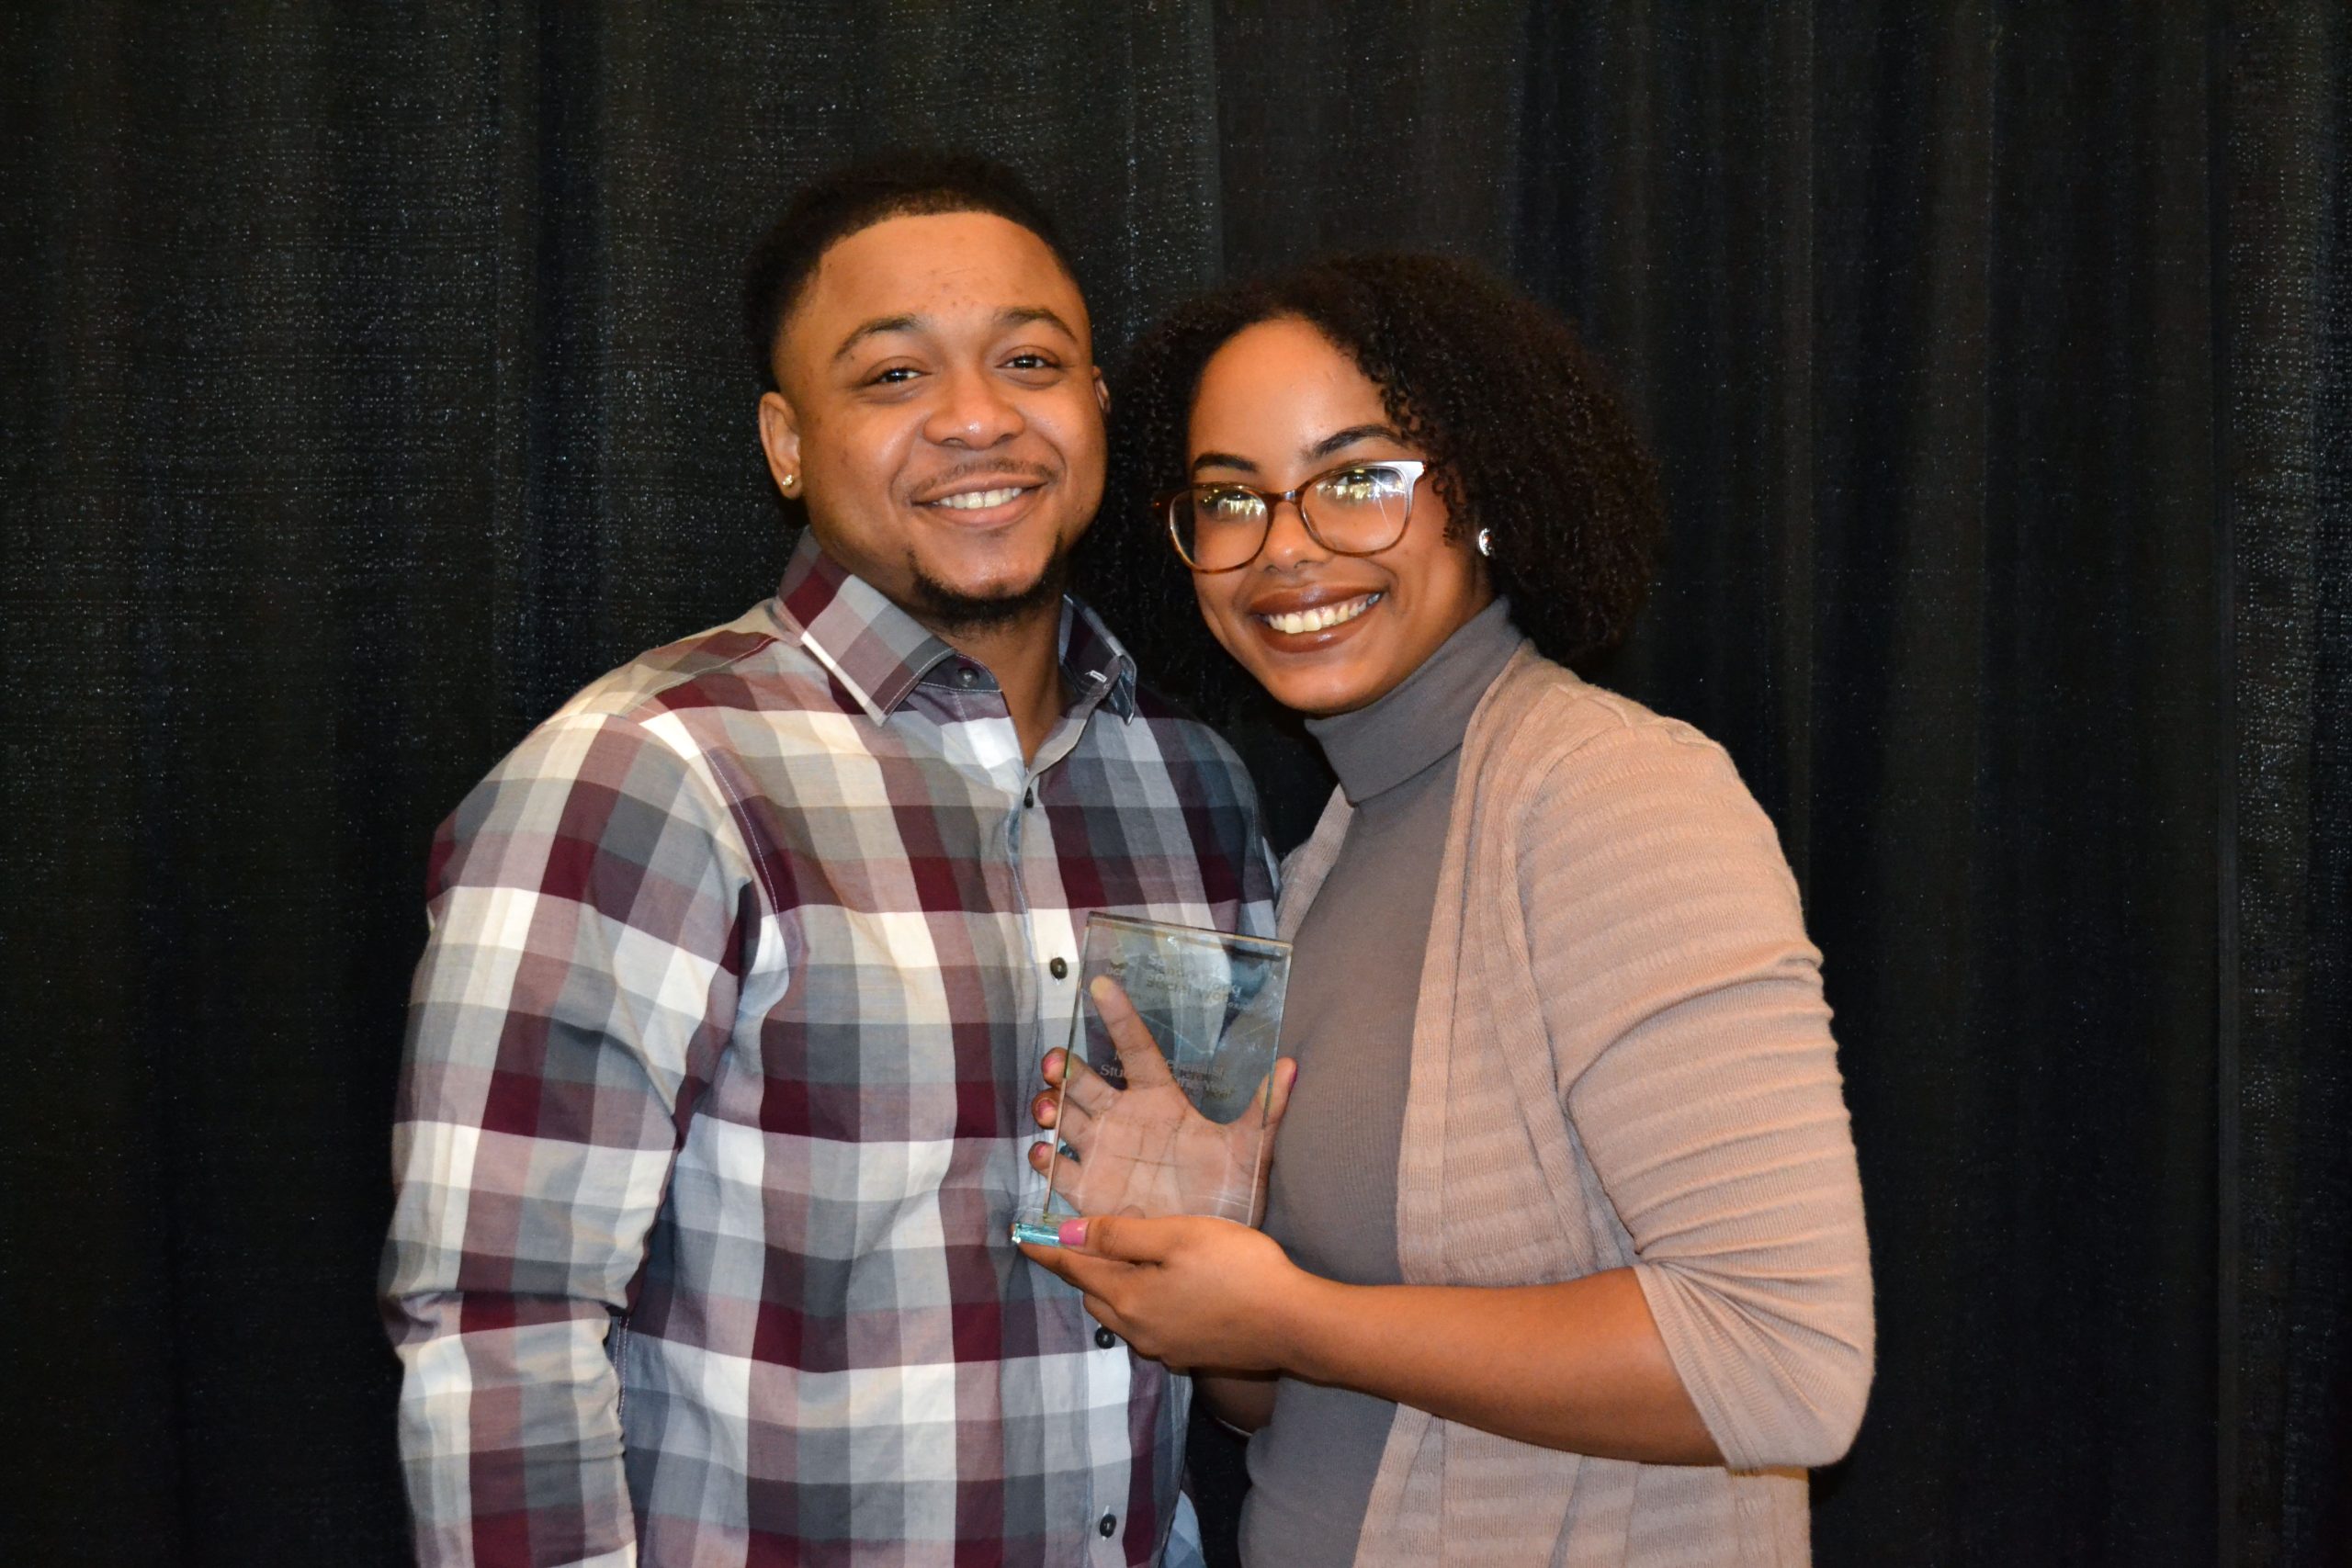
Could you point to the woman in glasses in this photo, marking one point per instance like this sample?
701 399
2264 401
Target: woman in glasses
1563 1257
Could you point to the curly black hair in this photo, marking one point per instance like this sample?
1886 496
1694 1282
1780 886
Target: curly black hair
908 183
1524 436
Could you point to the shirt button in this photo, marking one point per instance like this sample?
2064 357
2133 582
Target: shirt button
1105 1339
1109 1526
1059 969
967 676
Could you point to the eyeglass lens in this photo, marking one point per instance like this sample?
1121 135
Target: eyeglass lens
1354 511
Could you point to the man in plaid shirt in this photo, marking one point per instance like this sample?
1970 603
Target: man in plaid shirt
716 1106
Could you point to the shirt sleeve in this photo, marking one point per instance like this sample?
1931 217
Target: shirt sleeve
587 906
1693 1048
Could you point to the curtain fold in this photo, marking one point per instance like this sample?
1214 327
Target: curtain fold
2283 118
371 379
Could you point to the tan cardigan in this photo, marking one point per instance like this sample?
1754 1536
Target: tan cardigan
1621 1057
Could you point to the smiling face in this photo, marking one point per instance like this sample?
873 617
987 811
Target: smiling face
1323 633
942 415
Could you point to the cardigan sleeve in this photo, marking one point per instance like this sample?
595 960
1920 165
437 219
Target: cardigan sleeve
1692 1048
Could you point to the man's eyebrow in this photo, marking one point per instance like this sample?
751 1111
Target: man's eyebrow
875 327
1338 439
1010 317
1022 315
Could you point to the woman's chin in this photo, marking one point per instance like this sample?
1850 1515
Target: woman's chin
1323 694
1321 673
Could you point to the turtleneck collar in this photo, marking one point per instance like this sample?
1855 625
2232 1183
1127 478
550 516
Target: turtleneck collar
1421 722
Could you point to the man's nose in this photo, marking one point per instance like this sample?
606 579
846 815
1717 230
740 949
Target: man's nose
975 409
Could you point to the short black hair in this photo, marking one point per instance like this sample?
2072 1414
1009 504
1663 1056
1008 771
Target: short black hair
1524 437
832 207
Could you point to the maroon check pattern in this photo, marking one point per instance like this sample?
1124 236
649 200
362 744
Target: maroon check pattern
715 1108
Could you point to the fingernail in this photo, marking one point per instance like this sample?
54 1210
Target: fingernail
1099 988
1072 1233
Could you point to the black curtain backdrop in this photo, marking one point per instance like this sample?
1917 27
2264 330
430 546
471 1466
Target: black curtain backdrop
368 382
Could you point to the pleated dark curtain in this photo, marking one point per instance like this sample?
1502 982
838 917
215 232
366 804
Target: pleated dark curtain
369 380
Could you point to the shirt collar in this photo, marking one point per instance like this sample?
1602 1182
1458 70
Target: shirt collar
881 653
1093 659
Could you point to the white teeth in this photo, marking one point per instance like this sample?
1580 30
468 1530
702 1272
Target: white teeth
1321 615
978 500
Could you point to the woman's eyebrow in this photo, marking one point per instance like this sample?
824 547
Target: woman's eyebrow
1339 439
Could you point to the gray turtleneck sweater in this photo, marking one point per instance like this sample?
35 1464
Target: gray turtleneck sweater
1355 976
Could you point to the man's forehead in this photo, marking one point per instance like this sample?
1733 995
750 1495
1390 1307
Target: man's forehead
973 265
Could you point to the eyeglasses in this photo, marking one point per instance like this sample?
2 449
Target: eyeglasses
1356 509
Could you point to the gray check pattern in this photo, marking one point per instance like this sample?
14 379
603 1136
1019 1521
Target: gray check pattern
714 1112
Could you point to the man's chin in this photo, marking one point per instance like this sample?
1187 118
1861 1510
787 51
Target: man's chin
956 611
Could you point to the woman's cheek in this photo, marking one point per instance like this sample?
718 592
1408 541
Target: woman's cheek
1224 622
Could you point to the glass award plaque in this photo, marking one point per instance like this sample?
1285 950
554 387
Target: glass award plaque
1163 1105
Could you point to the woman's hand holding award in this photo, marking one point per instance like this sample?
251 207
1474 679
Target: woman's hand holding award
1167 1094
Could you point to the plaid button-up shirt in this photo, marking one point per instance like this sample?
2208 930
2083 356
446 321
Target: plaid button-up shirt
714 1109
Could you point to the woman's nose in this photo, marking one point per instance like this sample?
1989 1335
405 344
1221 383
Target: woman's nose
1288 538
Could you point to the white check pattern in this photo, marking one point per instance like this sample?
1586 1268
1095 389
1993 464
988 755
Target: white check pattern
714 1111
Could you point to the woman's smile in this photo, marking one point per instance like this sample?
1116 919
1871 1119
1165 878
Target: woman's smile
1305 619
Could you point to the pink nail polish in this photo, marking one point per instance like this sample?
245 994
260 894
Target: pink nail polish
1072 1233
